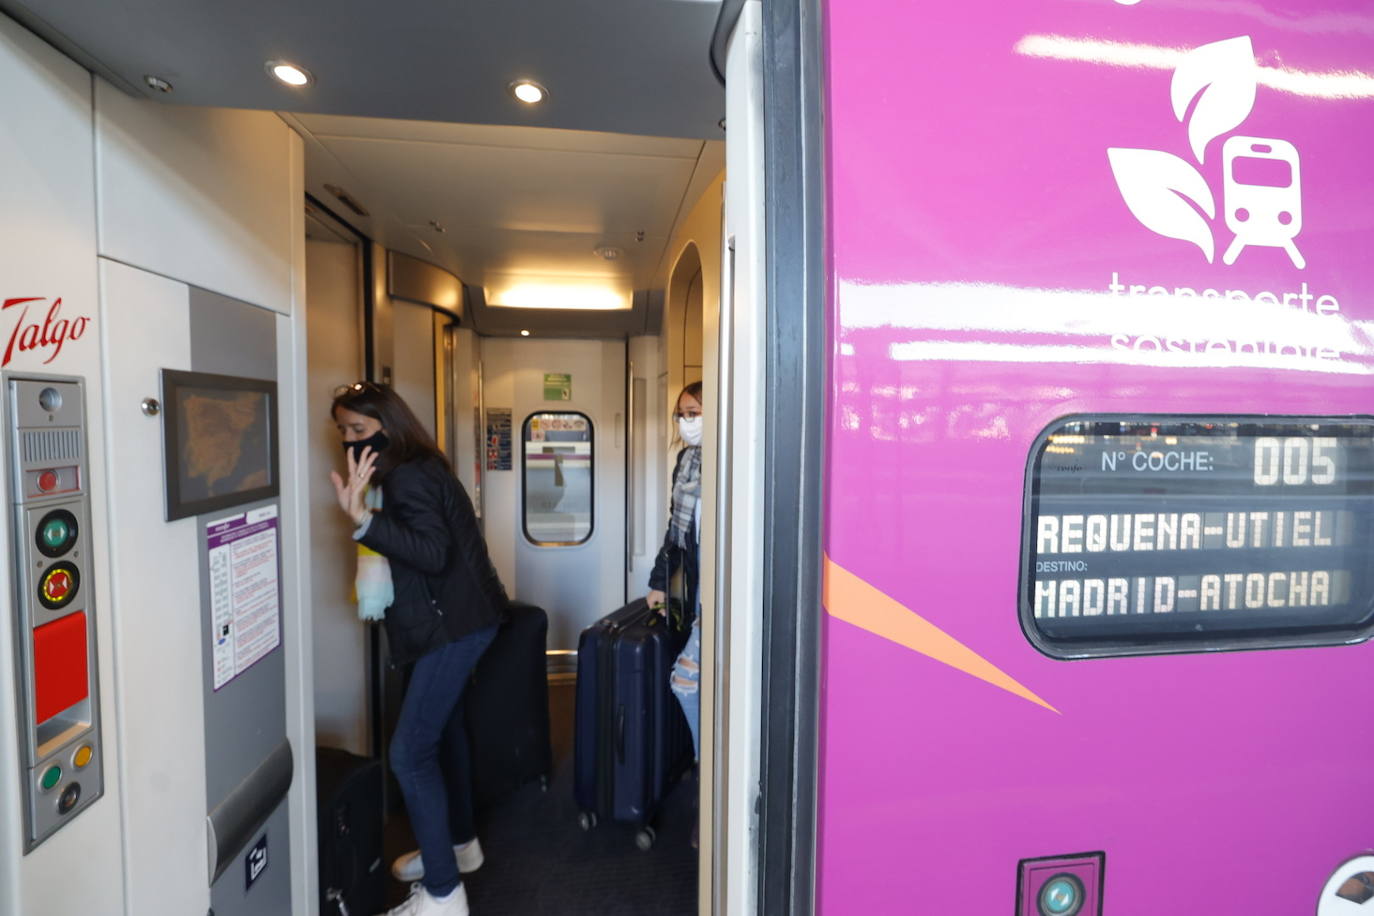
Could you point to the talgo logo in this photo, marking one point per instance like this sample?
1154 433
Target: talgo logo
1214 90
47 334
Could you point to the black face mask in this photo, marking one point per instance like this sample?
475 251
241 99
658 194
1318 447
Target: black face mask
377 441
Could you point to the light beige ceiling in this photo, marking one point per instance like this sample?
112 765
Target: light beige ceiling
513 202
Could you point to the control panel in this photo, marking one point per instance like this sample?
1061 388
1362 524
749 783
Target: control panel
53 602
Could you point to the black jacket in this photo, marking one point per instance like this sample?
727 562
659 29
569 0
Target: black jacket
446 586
671 558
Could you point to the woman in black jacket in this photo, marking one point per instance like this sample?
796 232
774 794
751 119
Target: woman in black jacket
447 603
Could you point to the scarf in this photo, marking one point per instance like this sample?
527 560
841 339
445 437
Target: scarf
372 587
686 492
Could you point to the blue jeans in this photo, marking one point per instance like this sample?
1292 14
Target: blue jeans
686 684
438 799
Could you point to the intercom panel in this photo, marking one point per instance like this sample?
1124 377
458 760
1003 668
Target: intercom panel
53 602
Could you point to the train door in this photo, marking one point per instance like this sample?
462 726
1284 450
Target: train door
1099 501
556 527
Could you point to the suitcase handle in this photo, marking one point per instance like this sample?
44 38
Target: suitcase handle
335 896
620 734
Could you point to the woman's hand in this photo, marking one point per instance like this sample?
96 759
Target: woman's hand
657 600
351 492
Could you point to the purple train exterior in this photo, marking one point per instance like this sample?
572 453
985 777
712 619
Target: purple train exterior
1081 208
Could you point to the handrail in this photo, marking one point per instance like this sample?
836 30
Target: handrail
720 37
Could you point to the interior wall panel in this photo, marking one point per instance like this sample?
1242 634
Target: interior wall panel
334 358
468 433
47 251
500 488
648 490
155 584
413 354
201 195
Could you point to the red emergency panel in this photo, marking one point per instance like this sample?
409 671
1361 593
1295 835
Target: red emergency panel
60 676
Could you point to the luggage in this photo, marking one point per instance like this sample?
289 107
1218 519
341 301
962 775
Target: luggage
349 794
506 708
631 738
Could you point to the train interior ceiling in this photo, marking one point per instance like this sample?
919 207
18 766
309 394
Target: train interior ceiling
533 278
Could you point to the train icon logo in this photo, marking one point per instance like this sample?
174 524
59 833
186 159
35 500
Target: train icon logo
1213 91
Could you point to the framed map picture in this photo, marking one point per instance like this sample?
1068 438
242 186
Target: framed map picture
219 437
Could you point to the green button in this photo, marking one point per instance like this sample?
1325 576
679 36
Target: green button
56 533
52 777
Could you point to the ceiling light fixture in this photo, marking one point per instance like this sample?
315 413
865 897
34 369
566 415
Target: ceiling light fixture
524 333
289 73
157 83
528 91
592 293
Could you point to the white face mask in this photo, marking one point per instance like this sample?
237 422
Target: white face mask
689 428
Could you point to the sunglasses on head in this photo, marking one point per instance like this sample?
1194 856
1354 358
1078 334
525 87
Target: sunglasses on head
356 388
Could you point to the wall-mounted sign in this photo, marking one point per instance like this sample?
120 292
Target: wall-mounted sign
244 604
498 439
557 386
1216 532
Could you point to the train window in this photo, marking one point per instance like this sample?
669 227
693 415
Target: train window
557 480
1146 535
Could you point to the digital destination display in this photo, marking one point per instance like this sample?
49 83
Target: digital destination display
1166 534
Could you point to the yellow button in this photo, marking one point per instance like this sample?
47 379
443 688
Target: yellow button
83 756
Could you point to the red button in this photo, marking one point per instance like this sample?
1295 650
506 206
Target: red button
57 585
47 481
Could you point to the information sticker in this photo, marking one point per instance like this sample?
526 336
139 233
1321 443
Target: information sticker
244 606
1178 534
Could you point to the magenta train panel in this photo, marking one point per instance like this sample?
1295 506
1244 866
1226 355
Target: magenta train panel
1040 210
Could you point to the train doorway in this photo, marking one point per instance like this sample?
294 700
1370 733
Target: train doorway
538 283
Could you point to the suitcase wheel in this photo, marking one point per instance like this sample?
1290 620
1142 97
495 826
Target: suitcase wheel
586 820
645 839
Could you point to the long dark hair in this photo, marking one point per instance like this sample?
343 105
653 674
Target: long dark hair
409 441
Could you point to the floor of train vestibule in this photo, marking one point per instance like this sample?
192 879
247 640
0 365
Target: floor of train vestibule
539 861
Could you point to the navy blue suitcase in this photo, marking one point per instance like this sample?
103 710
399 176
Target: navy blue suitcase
630 737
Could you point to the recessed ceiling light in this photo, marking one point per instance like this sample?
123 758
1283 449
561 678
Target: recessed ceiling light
157 83
528 91
524 333
289 73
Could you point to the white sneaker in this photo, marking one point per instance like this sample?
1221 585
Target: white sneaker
421 903
409 867
469 856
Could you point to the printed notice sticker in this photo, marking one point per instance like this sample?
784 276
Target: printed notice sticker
244 605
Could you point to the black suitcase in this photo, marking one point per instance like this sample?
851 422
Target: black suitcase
631 738
348 790
506 708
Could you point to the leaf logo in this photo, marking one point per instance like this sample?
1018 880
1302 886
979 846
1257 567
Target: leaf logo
1155 185
1213 91
1222 77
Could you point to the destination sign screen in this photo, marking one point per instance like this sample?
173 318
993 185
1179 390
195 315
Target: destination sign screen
1176 534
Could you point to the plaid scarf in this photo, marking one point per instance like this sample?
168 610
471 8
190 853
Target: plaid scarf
686 492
